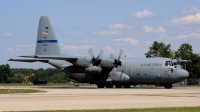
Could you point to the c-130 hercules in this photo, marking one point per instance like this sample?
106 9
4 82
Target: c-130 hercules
103 72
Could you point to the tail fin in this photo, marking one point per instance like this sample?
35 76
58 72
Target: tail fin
47 43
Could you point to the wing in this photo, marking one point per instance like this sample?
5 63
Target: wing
55 57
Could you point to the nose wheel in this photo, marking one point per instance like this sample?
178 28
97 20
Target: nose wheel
126 85
100 85
168 86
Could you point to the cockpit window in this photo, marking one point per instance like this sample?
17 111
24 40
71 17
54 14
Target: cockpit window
169 63
177 65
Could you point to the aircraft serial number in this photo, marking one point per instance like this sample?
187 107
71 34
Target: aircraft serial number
151 64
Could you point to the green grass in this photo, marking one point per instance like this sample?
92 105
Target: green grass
13 84
10 91
169 109
48 84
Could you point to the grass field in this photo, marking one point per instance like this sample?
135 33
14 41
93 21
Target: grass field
48 84
10 91
170 109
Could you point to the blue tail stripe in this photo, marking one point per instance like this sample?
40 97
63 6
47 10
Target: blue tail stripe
47 41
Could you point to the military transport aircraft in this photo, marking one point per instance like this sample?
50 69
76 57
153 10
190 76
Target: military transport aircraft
104 72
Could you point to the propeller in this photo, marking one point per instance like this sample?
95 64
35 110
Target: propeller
95 61
158 54
117 62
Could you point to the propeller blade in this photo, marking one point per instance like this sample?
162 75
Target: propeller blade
158 54
100 54
120 54
179 59
91 52
173 54
112 56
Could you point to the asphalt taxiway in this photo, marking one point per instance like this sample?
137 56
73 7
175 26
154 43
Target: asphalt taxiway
70 98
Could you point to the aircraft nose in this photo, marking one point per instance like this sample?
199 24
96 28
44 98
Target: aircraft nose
183 74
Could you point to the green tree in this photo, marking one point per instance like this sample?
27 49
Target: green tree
59 78
161 48
18 74
194 66
185 51
4 73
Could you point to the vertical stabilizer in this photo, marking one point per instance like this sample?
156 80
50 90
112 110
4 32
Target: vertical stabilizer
47 43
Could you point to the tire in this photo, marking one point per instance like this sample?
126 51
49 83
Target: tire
168 86
126 85
109 86
100 85
118 85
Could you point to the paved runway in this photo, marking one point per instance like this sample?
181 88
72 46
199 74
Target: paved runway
68 98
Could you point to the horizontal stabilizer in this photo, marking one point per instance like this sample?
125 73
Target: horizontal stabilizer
30 60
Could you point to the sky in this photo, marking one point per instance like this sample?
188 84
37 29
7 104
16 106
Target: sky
110 25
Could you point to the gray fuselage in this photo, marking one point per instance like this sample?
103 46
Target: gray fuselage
140 71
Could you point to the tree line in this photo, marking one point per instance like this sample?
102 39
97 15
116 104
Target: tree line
16 75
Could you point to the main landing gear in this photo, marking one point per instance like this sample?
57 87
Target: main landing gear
118 85
168 86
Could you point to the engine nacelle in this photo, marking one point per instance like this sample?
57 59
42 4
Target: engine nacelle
93 69
119 77
75 69
108 63
82 62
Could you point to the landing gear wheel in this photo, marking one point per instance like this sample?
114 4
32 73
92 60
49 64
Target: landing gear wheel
126 85
109 86
118 85
168 86
100 85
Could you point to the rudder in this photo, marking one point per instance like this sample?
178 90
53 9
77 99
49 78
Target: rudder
47 43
